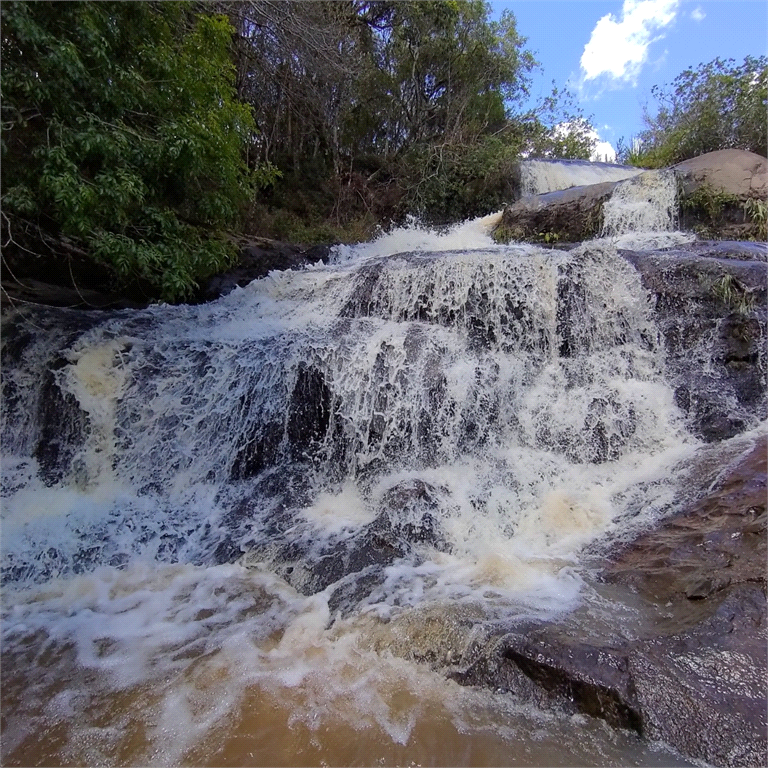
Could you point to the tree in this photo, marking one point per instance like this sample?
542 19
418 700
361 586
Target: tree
443 73
718 105
121 131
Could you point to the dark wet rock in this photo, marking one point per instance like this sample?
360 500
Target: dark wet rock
738 250
257 258
676 647
702 691
412 509
309 411
540 665
62 428
41 269
407 519
714 541
257 450
711 312
60 425
31 291
351 562
362 301
309 430
567 216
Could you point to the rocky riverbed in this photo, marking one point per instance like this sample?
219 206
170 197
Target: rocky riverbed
537 471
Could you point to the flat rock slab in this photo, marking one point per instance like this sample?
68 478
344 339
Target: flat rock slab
717 540
702 691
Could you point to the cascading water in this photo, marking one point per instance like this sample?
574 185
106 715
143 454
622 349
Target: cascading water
191 496
540 176
642 212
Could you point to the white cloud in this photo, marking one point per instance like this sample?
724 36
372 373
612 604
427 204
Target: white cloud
697 14
618 47
603 152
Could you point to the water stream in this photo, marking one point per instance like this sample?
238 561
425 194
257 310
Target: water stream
541 176
181 483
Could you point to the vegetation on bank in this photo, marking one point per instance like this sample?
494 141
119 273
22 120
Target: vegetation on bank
146 134
717 105
122 132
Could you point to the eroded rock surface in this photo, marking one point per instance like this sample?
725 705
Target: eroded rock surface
675 648
710 305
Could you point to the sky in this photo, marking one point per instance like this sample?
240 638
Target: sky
609 53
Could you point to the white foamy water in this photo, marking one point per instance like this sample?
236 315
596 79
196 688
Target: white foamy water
641 213
181 490
541 176
414 236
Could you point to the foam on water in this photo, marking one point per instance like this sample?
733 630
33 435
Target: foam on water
523 388
415 236
541 176
641 213
181 665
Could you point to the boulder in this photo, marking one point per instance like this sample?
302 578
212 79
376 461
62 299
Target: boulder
701 690
567 216
734 172
723 194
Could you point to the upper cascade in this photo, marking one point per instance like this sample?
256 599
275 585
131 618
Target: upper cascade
540 176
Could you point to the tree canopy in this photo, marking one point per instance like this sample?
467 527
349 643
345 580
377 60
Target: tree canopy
147 131
121 130
717 105
424 99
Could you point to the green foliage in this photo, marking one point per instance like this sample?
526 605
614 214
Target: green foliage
730 291
717 208
452 182
431 90
121 130
441 72
287 226
556 128
757 212
718 105
630 153
709 201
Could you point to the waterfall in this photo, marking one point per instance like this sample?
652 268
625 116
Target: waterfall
642 212
541 176
525 369
646 203
200 502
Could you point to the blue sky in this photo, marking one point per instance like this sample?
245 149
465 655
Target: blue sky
609 53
